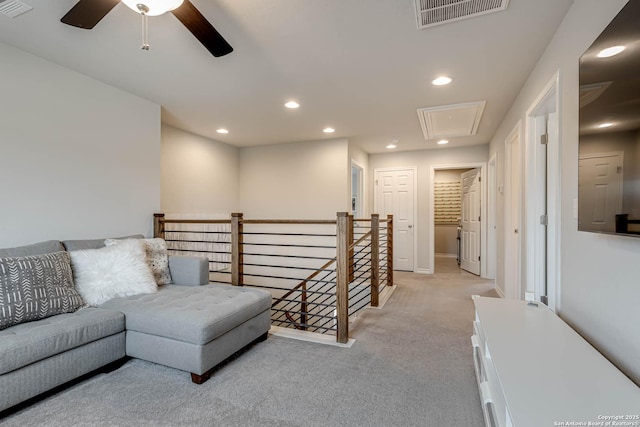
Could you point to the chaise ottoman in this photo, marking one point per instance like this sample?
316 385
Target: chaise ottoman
193 328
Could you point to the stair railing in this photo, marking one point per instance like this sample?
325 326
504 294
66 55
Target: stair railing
271 254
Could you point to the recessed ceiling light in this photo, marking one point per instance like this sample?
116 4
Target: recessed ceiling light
391 146
605 125
610 51
328 130
292 105
222 130
443 141
441 81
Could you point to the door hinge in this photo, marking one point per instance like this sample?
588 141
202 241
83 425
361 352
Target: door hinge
478 219
544 139
479 179
544 219
478 257
619 170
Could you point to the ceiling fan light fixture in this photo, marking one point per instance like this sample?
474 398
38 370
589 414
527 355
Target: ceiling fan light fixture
153 7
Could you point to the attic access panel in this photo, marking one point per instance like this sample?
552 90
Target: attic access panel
447 121
430 13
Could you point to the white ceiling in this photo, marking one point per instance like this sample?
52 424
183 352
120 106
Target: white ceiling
360 66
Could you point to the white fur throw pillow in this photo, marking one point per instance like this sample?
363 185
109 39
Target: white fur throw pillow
157 258
113 271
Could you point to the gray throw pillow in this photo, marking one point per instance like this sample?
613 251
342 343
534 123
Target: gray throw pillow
36 287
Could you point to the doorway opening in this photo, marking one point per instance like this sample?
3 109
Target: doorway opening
458 221
357 190
447 215
542 210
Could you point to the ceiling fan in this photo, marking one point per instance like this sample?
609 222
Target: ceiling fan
87 13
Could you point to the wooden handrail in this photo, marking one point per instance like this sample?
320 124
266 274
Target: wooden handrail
260 221
196 221
290 221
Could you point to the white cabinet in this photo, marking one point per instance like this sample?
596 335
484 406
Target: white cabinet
533 370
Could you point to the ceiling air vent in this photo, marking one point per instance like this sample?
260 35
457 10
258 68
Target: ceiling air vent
13 8
436 12
449 121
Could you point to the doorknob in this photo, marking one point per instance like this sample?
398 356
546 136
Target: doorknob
515 231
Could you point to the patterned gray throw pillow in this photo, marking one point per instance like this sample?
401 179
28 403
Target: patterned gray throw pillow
36 287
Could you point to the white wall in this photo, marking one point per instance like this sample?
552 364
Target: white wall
305 180
78 158
199 175
600 291
424 160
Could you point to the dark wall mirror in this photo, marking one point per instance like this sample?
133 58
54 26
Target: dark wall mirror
609 143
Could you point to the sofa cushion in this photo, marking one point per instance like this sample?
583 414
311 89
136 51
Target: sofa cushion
35 287
76 245
196 315
36 249
113 271
27 343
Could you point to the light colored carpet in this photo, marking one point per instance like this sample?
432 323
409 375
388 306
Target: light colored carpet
410 366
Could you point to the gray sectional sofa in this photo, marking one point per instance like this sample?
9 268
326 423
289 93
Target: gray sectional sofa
189 325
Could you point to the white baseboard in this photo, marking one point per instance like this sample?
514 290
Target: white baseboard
423 271
499 292
308 336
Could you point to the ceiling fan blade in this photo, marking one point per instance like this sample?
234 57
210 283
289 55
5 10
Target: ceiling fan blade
202 29
87 13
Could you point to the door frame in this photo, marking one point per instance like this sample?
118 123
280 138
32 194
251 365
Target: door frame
550 95
483 213
415 204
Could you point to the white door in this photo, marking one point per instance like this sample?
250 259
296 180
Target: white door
513 191
395 195
599 191
470 221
